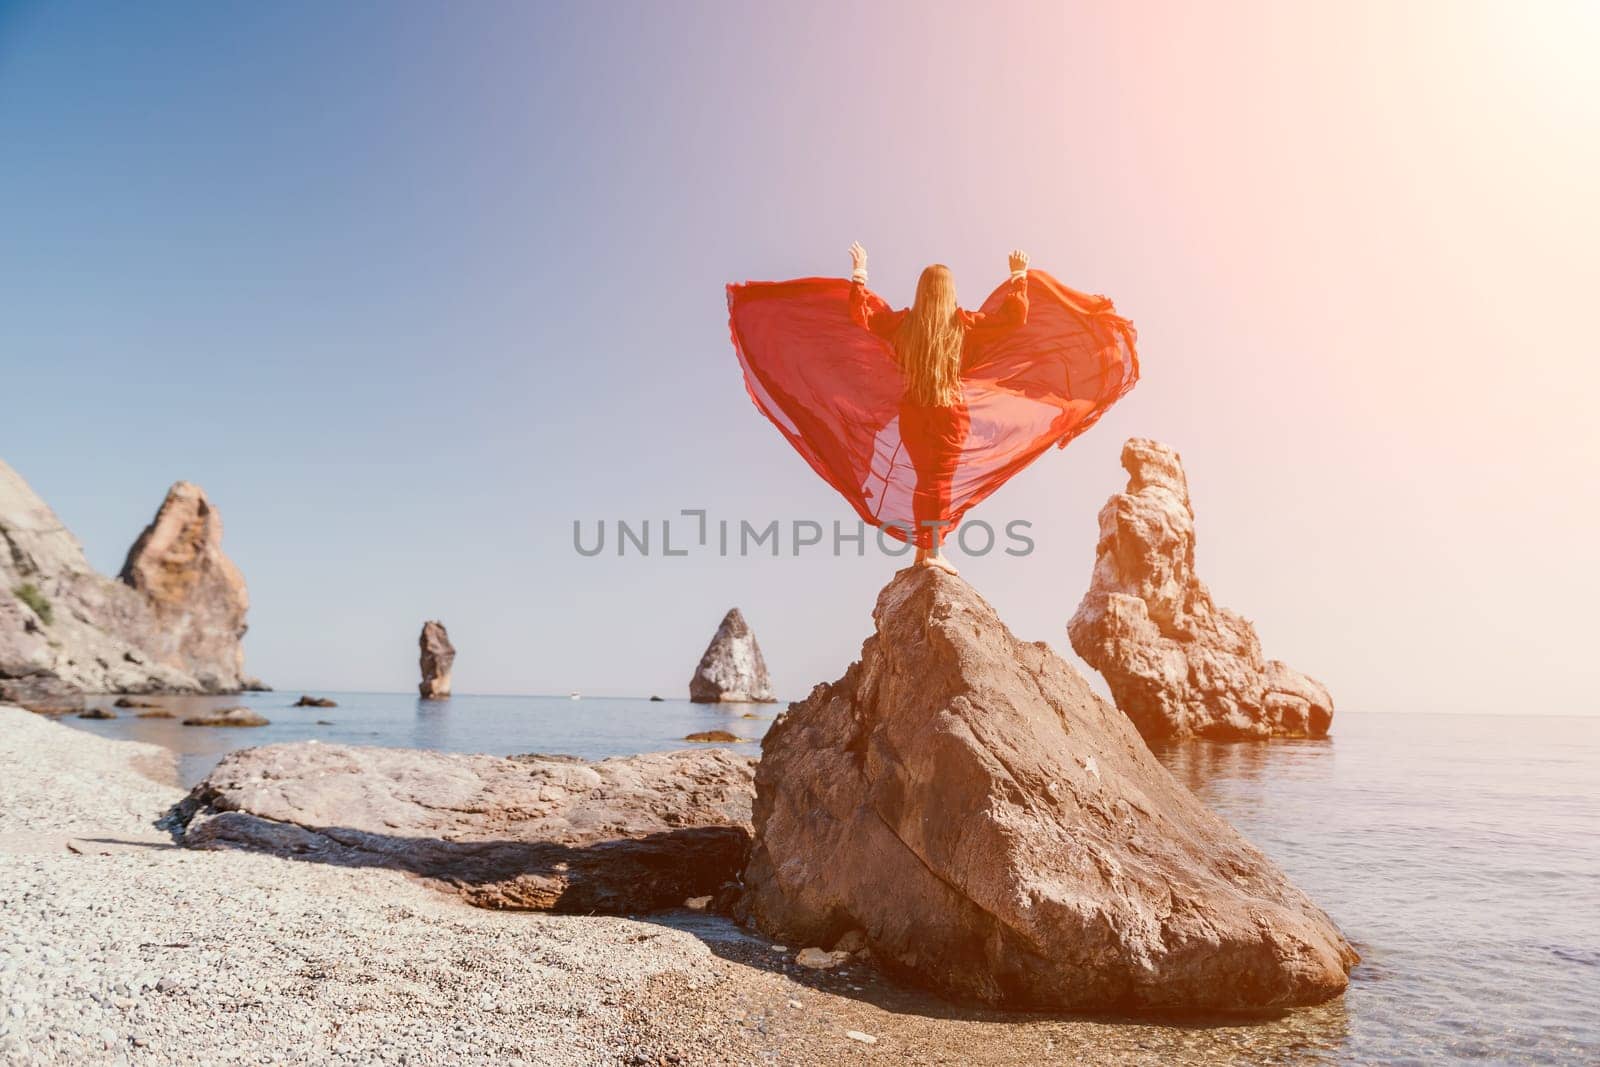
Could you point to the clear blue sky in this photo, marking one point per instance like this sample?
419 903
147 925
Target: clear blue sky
409 287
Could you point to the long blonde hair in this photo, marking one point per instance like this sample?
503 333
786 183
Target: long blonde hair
928 342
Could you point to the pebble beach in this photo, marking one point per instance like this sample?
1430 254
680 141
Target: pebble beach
118 946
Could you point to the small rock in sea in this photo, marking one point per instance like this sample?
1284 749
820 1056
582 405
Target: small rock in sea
818 960
129 702
315 702
156 713
715 737
227 717
697 903
857 1035
656 700
96 713
324 722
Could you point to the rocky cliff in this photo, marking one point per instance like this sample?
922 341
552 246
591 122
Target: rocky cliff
174 625
732 668
1178 665
1000 833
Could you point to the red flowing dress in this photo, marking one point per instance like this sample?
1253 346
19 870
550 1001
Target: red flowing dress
1041 362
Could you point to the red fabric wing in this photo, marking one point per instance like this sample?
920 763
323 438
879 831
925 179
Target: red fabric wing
833 389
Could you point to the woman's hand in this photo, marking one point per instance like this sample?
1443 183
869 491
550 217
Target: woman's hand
858 259
1019 260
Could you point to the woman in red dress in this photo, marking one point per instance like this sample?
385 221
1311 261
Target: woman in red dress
917 416
930 342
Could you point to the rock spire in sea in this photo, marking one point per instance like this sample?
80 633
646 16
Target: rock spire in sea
1178 665
438 656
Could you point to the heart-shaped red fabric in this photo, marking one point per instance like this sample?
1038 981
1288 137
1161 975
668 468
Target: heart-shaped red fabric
834 390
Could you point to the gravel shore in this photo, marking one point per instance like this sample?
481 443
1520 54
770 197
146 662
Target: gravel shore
118 947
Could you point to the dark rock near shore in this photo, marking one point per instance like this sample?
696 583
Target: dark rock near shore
732 669
1176 664
97 713
1003 835
438 656
43 693
315 702
551 833
717 737
130 702
228 717
155 713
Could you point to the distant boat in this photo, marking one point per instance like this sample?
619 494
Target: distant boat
575 695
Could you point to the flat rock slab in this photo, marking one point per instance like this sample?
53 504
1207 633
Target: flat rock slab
550 833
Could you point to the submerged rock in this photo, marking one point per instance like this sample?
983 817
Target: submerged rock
1002 834
1178 665
552 833
732 669
97 713
228 717
718 737
172 625
315 702
438 656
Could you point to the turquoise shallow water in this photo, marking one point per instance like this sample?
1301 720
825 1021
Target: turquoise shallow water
1460 853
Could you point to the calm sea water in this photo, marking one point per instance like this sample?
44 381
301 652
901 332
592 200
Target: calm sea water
1460 853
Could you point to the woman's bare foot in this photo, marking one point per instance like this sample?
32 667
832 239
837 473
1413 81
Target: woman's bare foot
939 561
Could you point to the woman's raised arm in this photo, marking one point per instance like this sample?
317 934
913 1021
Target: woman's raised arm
863 312
1014 310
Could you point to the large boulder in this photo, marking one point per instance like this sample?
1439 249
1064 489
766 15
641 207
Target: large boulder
196 594
732 668
1004 835
60 619
438 656
551 833
1178 665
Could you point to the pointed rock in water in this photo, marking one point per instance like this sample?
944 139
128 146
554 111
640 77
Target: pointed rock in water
1003 835
438 656
732 670
618 836
1178 665
197 595
315 702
